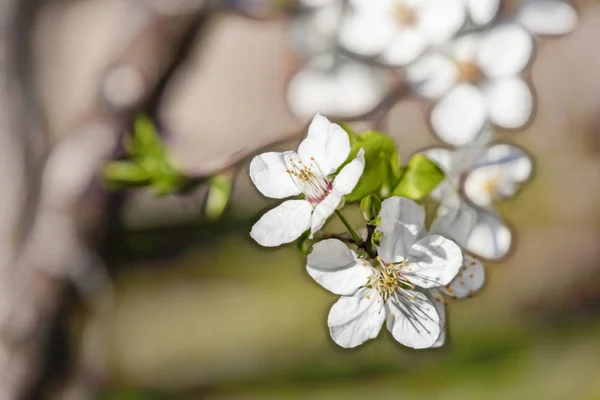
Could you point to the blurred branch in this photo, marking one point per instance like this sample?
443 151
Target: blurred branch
49 219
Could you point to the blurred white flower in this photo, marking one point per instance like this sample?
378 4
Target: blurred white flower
337 86
475 178
547 17
396 289
482 12
477 79
328 82
280 175
396 32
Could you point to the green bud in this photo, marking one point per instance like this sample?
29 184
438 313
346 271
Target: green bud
370 207
376 238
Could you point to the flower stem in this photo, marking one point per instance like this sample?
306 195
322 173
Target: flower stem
355 236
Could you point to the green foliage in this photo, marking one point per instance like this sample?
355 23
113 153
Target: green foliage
370 207
420 177
219 193
382 167
148 164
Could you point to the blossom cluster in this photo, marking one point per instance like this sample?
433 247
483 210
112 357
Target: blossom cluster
470 59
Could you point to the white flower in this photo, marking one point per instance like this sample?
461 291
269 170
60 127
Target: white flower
477 79
483 176
396 32
547 17
280 175
409 264
336 85
482 12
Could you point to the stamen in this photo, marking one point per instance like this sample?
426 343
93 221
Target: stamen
309 179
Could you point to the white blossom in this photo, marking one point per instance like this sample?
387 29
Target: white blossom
396 32
394 287
329 82
477 79
476 177
547 17
307 172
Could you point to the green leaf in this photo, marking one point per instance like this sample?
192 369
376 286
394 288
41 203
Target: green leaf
420 177
382 168
125 172
145 140
219 193
370 207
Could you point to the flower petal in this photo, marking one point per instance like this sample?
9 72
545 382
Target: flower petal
432 75
482 12
440 306
413 319
327 143
283 224
324 209
439 20
433 261
355 319
367 33
505 51
550 17
455 219
490 237
335 267
510 102
406 45
340 87
468 281
460 115
348 177
497 174
402 222
268 173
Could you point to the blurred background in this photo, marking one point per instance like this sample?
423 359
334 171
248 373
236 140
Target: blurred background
152 300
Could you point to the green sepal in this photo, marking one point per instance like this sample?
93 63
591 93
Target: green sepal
304 243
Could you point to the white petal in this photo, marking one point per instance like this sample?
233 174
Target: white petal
402 222
510 102
330 254
335 267
455 220
439 20
283 224
413 320
550 17
460 115
355 319
433 261
497 174
483 12
348 177
505 51
470 279
268 173
339 87
406 45
327 143
367 33
324 209
490 238
432 75
438 301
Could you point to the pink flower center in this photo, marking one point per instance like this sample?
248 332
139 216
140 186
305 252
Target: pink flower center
310 180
